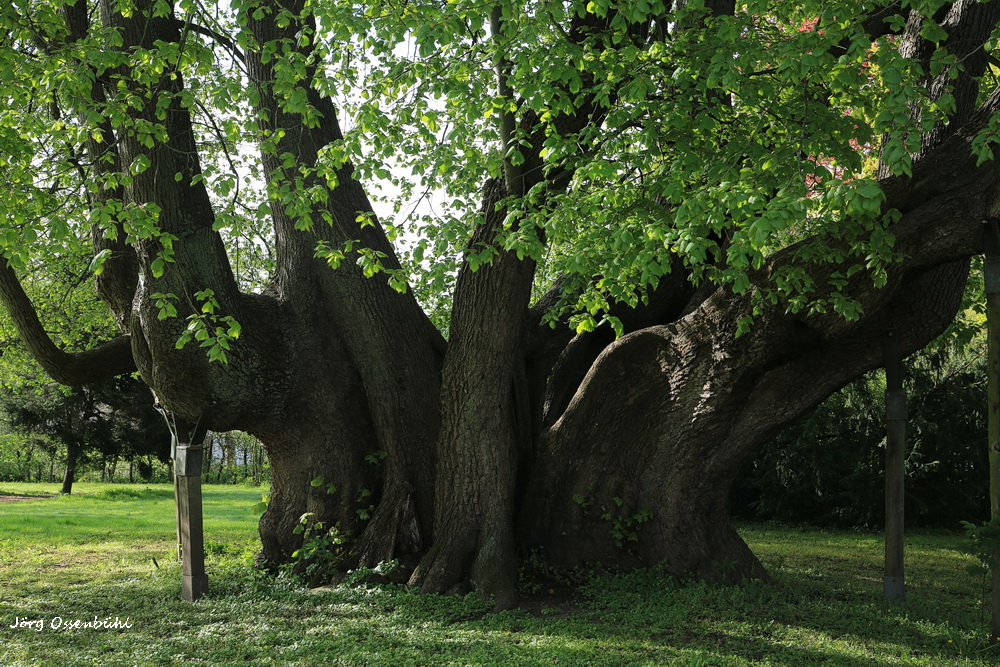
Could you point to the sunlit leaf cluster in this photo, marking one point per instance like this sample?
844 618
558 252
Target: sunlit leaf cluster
650 133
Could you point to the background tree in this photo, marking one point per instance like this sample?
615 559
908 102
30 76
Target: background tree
102 422
92 425
719 208
233 457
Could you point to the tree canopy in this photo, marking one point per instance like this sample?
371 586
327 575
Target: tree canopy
640 139
652 234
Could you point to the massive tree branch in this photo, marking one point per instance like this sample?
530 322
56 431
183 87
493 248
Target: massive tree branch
391 344
100 363
710 399
116 285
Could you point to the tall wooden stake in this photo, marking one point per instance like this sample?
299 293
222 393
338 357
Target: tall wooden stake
893 581
187 447
177 510
991 283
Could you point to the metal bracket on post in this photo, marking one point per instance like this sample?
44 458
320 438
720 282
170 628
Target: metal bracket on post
187 445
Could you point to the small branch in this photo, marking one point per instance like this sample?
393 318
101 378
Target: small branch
219 38
508 124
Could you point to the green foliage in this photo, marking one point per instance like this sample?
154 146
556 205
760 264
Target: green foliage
828 469
22 456
364 512
624 526
110 420
261 506
328 487
319 556
536 576
984 543
212 332
376 457
757 128
235 457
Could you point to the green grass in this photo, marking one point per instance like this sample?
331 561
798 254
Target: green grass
91 555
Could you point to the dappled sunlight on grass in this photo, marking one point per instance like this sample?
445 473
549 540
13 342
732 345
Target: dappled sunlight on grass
824 606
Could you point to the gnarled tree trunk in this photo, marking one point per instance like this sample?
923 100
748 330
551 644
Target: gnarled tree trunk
509 436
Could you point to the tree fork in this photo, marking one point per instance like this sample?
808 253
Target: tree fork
391 344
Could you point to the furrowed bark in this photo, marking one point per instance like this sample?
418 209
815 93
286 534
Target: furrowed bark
182 379
648 474
391 345
473 534
590 449
118 280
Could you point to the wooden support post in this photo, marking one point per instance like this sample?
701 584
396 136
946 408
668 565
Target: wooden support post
991 283
187 468
179 545
187 448
893 581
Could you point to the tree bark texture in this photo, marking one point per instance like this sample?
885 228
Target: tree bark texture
510 437
481 424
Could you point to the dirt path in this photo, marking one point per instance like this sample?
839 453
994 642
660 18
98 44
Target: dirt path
12 499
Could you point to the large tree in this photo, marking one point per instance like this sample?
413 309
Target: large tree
666 229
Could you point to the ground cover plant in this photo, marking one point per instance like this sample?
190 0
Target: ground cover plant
107 552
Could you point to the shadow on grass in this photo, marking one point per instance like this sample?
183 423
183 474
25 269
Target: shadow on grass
635 619
668 631
824 608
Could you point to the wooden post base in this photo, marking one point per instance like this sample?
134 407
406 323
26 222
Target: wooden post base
193 579
894 588
193 586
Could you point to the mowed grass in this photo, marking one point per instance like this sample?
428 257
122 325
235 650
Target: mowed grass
92 555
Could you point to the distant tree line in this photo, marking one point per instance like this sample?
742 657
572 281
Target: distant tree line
109 432
95 426
235 457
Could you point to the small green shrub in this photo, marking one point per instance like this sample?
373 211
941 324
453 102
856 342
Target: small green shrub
319 556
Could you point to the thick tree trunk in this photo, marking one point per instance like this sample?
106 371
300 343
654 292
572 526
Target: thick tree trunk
593 450
643 478
392 348
481 426
637 471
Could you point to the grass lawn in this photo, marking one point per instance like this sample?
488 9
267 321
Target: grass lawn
107 552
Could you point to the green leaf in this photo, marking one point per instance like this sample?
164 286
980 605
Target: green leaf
933 32
97 263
